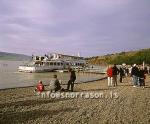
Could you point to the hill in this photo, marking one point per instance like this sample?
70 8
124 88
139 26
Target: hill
13 56
130 57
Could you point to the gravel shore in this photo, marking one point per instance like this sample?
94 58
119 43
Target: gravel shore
131 106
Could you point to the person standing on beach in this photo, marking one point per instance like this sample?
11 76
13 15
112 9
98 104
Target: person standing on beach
55 84
122 74
141 77
115 73
134 74
110 75
71 80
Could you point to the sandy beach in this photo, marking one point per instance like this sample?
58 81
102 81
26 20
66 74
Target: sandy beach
132 106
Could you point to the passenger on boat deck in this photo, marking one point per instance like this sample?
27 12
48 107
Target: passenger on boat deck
54 84
39 87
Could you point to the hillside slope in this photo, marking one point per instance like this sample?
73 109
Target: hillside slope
123 57
13 56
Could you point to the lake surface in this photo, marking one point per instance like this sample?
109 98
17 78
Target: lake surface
11 78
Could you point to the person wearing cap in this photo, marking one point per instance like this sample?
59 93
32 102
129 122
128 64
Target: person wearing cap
40 87
71 80
134 74
55 84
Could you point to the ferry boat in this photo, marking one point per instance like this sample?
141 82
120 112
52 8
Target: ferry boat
52 62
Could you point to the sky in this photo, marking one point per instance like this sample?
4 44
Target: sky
88 27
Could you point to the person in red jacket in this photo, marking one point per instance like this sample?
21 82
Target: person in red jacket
110 75
40 87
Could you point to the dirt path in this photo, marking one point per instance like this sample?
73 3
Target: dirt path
131 107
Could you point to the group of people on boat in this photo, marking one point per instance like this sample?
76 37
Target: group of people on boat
55 84
138 74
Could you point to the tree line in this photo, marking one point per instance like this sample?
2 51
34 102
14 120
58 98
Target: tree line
129 58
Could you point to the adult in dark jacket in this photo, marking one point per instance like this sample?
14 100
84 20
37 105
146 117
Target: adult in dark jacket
141 77
71 80
122 74
115 73
134 74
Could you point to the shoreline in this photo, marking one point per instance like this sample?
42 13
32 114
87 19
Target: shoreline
89 81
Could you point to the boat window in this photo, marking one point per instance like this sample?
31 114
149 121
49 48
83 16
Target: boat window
54 63
42 58
51 63
36 58
46 63
58 64
61 63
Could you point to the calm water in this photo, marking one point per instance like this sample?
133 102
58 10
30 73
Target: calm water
10 77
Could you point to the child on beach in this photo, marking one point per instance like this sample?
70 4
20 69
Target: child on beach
40 87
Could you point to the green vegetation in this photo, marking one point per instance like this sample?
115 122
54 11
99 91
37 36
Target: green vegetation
13 56
124 57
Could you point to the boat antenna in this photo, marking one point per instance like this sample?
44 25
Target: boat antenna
78 54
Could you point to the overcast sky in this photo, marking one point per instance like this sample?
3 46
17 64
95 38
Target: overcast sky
91 27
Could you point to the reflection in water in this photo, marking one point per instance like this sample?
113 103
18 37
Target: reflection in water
9 77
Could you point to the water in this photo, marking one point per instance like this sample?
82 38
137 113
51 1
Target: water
11 78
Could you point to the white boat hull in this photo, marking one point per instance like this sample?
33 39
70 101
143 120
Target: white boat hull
32 69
